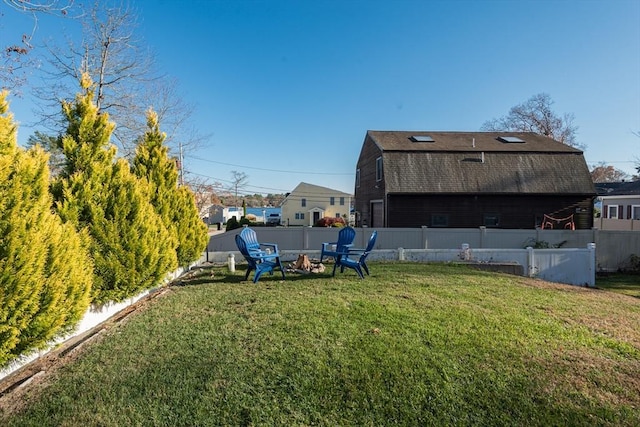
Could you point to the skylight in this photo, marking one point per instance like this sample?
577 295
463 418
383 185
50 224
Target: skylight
422 138
510 139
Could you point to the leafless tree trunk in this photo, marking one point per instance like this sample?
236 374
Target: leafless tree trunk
126 79
536 115
238 182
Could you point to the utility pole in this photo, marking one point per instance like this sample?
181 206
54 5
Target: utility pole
181 166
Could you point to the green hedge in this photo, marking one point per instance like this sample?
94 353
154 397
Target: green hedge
45 268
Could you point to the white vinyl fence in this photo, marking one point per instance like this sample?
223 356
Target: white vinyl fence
563 256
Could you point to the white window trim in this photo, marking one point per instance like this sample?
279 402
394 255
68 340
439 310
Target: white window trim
633 208
611 208
379 169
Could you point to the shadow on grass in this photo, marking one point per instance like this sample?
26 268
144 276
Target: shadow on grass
628 284
216 274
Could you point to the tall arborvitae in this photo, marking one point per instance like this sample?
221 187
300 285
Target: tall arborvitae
45 268
132 249
176 205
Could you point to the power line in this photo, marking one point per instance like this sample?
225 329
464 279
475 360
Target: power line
268 170
232 182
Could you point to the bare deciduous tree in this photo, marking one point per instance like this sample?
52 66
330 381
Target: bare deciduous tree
239 180
204 192
126 79
16 58
607 173
536 115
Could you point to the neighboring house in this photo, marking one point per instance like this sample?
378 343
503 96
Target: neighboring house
308 203
620 205
217 214
470 179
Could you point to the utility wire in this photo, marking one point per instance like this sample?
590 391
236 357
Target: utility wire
232 182
268 170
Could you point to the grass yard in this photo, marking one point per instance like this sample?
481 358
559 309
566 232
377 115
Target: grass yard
628 284
413 344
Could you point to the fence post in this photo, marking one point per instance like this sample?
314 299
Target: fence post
592 264
425 237
305 238
483 234
531 266
400 254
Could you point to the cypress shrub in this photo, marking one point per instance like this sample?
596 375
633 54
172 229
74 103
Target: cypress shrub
175 205
131 247
45 268
193 233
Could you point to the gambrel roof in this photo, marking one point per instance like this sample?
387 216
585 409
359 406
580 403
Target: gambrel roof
421 162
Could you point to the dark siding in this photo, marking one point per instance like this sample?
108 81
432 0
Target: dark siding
471 180
369 188
468 211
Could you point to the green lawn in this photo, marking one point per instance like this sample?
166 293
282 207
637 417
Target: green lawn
628 284
413 344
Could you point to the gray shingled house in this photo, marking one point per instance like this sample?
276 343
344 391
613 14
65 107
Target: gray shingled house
470 179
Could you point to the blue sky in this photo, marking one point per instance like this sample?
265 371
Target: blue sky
288 89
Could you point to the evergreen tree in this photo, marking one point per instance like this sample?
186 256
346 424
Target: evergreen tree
132 249
176 205
45 268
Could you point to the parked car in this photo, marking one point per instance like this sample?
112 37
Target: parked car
273 219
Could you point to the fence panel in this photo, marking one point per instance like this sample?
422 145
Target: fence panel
571 266
451 238
613 248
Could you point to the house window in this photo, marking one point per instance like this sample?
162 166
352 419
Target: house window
635 212
379 169
341 201
299 215
304 202
439 220
357 177
332 201
491 220
613 212
337 215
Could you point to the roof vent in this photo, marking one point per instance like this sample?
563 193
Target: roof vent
510 139
422 138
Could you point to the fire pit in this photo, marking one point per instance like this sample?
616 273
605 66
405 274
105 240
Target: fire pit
304 265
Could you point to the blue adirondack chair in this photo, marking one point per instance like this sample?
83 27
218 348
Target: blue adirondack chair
345 240
357 264
261 257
